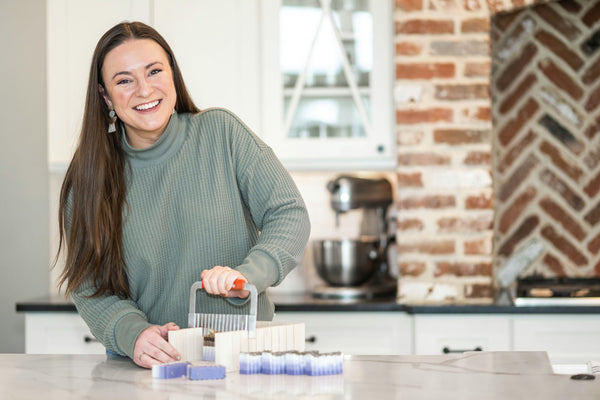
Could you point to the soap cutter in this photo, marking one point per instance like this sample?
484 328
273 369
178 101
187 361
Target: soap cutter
225 322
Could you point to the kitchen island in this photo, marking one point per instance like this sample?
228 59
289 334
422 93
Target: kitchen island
473 375
52 326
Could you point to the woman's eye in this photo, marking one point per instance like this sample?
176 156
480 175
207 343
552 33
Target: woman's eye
123 81
155 71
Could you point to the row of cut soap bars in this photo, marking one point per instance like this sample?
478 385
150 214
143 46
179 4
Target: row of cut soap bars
291 363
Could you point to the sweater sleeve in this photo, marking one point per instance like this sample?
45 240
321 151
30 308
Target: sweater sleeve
115 322
277 209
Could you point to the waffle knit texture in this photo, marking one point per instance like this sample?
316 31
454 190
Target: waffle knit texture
208 192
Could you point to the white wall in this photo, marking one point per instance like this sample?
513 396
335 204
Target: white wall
24 248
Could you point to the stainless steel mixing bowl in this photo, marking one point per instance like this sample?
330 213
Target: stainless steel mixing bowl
346 262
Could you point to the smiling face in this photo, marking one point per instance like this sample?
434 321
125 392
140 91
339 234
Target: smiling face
138 84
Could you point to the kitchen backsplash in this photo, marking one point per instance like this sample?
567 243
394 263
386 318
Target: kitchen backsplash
495 149
546 104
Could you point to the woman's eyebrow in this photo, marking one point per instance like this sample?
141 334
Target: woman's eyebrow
152 64
129 73
121 73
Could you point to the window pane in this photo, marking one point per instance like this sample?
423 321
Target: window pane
318 117
326 107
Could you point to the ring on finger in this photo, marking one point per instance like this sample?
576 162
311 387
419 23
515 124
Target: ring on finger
140 356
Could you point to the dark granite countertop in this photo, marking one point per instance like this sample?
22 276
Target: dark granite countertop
306 303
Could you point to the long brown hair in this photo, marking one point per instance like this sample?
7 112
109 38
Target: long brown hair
93 194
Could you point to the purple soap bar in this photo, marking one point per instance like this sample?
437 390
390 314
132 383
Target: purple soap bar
169 370
205 371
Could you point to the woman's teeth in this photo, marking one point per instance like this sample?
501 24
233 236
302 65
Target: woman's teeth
146 106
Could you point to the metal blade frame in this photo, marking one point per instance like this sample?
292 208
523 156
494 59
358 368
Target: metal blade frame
224 322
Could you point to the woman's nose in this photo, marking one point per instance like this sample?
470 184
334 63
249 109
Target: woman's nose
144 88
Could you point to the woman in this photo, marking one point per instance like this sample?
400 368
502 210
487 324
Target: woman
160 195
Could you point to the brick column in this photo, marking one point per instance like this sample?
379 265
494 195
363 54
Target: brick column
444 128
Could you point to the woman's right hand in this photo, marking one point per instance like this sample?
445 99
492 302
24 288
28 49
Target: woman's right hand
152 346
219 280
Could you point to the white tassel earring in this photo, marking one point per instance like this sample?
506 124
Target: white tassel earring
113 120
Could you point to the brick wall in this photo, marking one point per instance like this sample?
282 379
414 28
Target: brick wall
546 62
445 133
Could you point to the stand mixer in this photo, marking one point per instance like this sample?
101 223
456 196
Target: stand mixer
357 268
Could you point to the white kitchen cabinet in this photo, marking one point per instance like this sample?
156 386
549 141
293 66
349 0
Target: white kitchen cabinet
217 46
568 339
327 78
366 333
358 333
59 333
452 333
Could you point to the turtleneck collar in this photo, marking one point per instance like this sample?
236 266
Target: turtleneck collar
166 146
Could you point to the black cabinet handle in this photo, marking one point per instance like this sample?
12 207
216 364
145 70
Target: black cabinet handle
448 350
311 339
89 339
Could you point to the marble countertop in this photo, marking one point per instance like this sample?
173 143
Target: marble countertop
305 302
475 375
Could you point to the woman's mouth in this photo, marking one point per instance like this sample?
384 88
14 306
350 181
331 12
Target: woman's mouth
147 106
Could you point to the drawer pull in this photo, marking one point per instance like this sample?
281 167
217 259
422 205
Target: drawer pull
311 339
448 350
90 339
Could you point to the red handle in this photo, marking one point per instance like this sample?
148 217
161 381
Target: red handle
238 284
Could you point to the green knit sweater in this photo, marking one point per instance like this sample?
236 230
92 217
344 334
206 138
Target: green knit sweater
208 192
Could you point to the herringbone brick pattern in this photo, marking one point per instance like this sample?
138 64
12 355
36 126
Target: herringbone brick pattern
546 112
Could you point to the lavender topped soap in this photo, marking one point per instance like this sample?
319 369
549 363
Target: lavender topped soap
172 370
202 371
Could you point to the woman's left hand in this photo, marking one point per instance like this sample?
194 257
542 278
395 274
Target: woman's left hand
219 280
152 346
